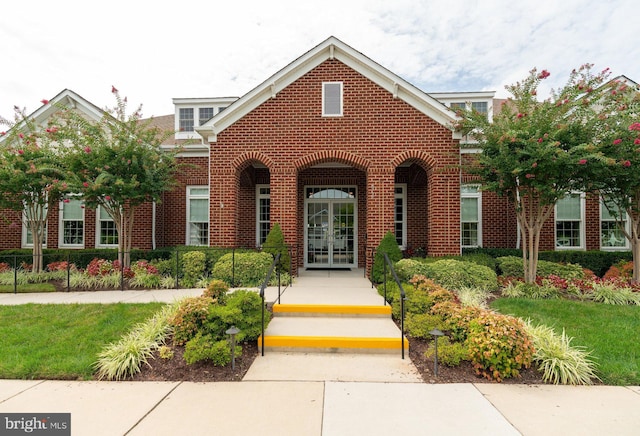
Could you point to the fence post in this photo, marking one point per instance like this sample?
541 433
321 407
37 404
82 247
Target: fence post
122 270
233 267
68 272
177 269
15 273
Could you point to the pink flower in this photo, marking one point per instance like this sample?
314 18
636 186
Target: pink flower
44 101
3 133
520 115
87 150
634 126
540 140
535 165
637 141
85 184
107 198
20 152
582 161
544 74
626 163
21 135
113 89
530 176
66 200
617 141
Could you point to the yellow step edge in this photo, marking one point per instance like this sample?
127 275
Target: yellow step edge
331 342
331 308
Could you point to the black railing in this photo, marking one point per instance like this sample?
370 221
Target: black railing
275 262
387 263
67 260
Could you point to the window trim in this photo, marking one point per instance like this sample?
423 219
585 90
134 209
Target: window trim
61 221
341 111
99 228
627 225
258 221
25 231
190 197
403 196
478 196
582 235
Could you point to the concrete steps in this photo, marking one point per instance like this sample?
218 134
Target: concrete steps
327 328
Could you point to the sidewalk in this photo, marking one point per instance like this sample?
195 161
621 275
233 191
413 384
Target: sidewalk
316 394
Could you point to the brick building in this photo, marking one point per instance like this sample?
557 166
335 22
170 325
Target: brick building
338 150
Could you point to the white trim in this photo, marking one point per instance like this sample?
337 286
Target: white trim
624 247
582 235
190 197
61 207
98 226
478 196
403 196
332 46
341 90
258 221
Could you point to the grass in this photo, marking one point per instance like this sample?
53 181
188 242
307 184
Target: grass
62 341
29 287
611 332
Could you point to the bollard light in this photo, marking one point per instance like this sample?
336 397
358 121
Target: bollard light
233 331
436 334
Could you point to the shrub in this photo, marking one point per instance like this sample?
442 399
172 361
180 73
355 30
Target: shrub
511 266
205 347
559 362
499 346
453 274
145 280
165 352
457 319
4 267
250 268
192 267
473 297
189 317
609 293
419 325
407 268
449 353
274 244
165 267
388 245
216 290
60 266
249 304
620 270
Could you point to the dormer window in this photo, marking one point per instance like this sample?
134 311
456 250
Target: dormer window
205 114
186 119
332 99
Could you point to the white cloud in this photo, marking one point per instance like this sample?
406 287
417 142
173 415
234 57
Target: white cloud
154 51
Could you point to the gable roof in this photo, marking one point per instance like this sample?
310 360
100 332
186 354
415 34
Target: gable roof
331 48
66 98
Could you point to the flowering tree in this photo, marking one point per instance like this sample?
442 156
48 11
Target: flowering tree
31 176
614 170
116 163
533 151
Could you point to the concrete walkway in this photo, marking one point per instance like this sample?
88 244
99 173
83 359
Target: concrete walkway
316 394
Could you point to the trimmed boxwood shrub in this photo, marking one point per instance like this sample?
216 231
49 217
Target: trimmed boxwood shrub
511 266
250 268
407 268
274 244
390 246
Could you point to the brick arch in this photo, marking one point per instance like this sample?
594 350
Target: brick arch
243 161
417 156
331 156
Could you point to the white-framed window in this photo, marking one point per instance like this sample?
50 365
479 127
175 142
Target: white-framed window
263 213
470 216
71 214
198 215
186 120
27 236
479 106
106 230
611 235
332 99
400 214
205 114
569 220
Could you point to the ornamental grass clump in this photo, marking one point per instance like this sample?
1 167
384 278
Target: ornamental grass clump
610 293
558 360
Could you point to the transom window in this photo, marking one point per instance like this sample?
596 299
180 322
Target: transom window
612 220
263 213
400 215
72 223
570 222
470 209
198 215
332 99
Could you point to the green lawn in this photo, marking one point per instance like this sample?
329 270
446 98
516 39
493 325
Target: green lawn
61 341
29 287
611 332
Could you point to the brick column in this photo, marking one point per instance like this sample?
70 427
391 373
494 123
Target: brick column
223 204
444 213
380 206
284 202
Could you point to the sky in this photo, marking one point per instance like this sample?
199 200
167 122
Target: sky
153 51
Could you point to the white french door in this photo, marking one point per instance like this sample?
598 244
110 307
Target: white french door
330 227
